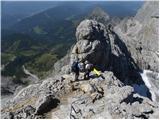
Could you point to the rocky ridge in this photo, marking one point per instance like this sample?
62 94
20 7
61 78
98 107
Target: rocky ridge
95 98
114 97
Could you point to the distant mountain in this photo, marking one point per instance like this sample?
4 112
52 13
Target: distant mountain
45 25
121 8
99 14
14 11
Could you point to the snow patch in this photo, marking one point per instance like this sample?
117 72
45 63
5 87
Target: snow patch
145 78
148 86
148 83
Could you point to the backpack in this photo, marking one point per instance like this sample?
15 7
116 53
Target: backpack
81 67
89 66
74 66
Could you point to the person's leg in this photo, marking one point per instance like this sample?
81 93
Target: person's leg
87 74
76 76
84 75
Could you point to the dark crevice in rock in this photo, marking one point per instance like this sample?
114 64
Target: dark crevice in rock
49 105
142 116
155 17
127 100
137 99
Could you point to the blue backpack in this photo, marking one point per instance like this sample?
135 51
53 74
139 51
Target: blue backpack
74 66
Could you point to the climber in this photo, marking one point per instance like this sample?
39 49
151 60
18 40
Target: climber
88 69
75 69
81 66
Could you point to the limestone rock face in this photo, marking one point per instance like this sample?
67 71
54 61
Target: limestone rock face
140 34
143 15
92 44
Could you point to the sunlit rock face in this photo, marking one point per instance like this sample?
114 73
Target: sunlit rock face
140 35
93 44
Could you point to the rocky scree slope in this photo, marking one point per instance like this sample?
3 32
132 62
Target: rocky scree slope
84 99
94 98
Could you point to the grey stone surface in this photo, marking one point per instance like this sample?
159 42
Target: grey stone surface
92 44
93 98
140 34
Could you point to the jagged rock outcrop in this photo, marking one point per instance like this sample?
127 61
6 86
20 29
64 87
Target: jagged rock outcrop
140 34
92 44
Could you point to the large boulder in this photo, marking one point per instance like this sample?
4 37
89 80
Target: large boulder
92 44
